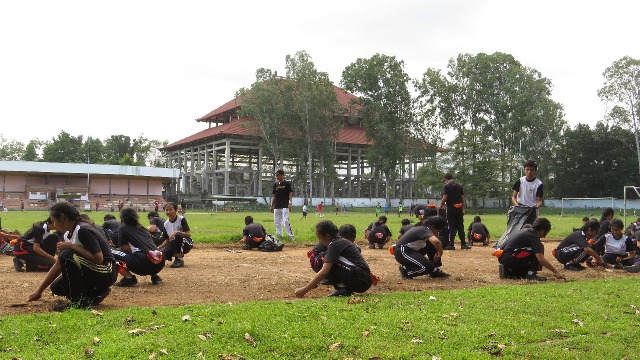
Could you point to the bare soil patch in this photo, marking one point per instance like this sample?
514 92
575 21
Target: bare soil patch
217 275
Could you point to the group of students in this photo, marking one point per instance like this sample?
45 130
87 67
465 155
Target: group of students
83 259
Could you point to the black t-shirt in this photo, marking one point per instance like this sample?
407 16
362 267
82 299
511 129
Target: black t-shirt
524 239
137 237
112 225
158 222
478 228
340 247
281 190
605 227
416 237
94 242
454 192
254 230
381 228
575 238
405 228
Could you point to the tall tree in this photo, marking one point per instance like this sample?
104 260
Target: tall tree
93 148
64 148
117 147
31 150
11 150
622 88
386 107
498 98
297 115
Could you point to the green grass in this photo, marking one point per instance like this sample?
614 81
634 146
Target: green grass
226 227
583 319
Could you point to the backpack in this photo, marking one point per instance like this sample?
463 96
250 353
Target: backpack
270 244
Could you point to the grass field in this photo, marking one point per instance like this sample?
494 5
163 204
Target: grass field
226 227
573 320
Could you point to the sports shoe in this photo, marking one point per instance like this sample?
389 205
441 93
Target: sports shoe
380 246
127 282
465 247
156 279
100 297
632 268
177 263
572 267
246 247
439 274
17 264
403 272
449 248
502 271
341 292
618 266
326 282
590 263
372 246
536 277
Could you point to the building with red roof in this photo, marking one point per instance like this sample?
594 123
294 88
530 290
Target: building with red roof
226 161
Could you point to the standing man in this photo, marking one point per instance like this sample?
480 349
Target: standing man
156 204
281 202
453 202
528 189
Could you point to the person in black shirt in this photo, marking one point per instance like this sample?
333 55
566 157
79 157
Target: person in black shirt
85 268
421 240
156 226
111 226
523 253
575 248
36 248
453 202
343 264
478 232
605 227
136 253
253 234
378 233
406 225
281 202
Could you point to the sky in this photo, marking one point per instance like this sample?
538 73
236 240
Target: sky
150 68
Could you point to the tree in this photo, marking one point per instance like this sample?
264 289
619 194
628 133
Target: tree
297 116
65 149
385 105
31 150
622 88
93 148
495 99
11 150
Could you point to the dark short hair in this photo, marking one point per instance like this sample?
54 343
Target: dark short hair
437 222
152 214
591 224
129 216
248 219
382 219
477 219
542 224
327 227
617 223
531 164
405 222
280 172
109 217
348 231
448 176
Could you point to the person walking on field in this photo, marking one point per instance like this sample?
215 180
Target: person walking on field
281 202
453 203
320 206
528 190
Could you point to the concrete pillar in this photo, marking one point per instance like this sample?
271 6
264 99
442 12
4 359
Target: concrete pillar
227 165
259 172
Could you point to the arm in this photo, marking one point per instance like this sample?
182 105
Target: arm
96 258
38 250
273 201
152 228
53 273
444 200
514 198
438 245
538 202
543 261
321 275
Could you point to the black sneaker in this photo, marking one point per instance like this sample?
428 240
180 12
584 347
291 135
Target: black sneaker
156 279
17 264
341 292
325 282
177 263
536 277
127 282
449 248
572 267
246 247
618 266
632 268
465 247
100 297
439 274
502 271
403 273
380 246
372 246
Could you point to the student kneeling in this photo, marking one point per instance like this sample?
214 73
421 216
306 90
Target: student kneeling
253 234
421 240
137 252
343 264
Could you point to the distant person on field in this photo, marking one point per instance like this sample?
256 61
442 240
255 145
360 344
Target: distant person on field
343 264
281 202
378 233
378 208
320 208
156 204
253 234
478 232
305 211
156 227
386 209
419 251
400 209
177 236
575 249
523 253
528 190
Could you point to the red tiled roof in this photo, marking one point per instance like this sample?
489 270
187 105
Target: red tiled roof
344 98
244 127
